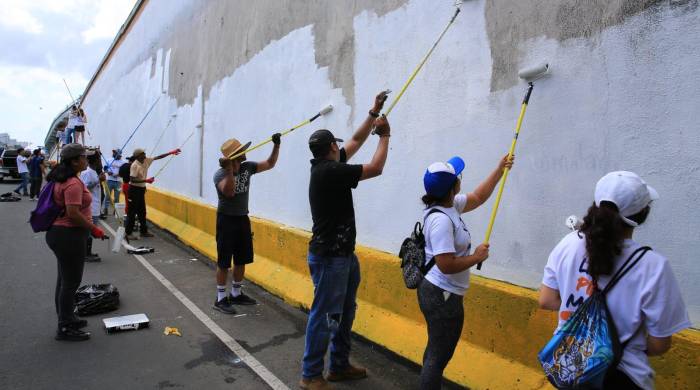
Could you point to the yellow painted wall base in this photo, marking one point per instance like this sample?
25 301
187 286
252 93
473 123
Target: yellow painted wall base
503 328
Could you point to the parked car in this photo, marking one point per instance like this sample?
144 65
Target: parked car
8 164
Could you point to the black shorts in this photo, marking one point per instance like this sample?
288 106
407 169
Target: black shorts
234 238
79 129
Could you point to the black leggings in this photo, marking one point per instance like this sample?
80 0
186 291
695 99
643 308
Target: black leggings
445 319
68 244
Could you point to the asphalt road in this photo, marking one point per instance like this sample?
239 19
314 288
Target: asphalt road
273 332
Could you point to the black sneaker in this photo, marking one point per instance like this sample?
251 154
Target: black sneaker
242 300
92 258
224 306
68 333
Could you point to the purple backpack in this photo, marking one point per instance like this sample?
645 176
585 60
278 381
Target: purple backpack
46 210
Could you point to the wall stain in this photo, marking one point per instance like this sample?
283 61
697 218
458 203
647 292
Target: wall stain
510 23
211 39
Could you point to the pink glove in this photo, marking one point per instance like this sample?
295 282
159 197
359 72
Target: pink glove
175 151
150 180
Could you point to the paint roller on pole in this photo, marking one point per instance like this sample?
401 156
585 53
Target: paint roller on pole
323 112
420 65
73 102
529 75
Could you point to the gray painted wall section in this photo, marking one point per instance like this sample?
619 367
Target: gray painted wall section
623 95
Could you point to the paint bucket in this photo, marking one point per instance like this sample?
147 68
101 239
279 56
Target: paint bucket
119 237
119 210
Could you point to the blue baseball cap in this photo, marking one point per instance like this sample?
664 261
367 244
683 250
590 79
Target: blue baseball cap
441 176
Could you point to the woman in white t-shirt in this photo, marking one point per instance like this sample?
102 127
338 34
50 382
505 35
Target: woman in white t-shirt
448 242
646 304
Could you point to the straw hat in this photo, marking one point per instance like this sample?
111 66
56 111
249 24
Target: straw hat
232 147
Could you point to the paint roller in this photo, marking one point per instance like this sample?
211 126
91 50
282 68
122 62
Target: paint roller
323 112
162 133
529 75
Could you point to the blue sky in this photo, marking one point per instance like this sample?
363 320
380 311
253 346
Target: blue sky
43 42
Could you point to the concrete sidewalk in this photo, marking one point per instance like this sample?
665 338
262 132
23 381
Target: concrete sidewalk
272 332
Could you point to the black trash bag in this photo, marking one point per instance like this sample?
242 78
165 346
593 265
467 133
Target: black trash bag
96 298
9 197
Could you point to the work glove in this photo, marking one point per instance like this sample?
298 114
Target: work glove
150 180
277 138
175 152
97 233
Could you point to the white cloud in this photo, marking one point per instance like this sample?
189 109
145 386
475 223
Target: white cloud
17 16
34 95
110 15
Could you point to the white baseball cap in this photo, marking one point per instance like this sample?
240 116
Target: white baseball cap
627 191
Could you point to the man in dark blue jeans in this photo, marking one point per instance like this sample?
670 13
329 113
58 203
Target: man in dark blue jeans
334 268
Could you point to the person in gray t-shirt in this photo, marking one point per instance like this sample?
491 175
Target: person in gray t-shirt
234 237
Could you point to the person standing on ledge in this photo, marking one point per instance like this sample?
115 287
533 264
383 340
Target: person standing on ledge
234 237
137 190
335 270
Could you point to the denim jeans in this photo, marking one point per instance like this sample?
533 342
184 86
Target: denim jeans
23 186
336 280
113 187
68 136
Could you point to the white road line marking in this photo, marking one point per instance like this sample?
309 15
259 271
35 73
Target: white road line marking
232 344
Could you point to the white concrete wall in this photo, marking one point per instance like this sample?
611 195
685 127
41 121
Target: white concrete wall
625 98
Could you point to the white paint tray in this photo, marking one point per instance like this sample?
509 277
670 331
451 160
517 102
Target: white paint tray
130 322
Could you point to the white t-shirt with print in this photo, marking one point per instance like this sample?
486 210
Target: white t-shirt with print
72 121
113 170
22 164
647 296
92 181
447 234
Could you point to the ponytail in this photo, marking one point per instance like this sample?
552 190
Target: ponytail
63 171
605 234
604 231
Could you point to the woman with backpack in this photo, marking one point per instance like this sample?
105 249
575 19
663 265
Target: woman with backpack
67 236
645 303
448 257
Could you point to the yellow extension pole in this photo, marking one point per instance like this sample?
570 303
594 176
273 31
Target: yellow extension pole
324 111
420 66
269 139
492 220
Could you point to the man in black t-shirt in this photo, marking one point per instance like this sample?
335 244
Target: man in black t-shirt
334 268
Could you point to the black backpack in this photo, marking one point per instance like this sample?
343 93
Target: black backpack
412 255
125 172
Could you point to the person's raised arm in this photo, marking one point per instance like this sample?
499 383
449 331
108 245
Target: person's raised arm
482 193
268 164
173 152
227 185
376 166
358 139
